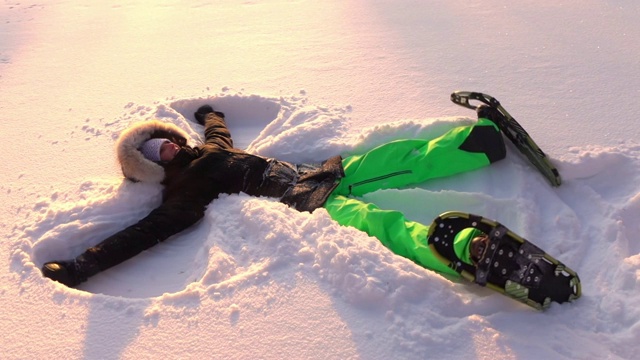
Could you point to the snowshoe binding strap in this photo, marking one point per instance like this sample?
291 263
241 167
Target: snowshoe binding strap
442 233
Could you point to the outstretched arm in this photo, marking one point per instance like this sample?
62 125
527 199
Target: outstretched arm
170 218
215 128
216 131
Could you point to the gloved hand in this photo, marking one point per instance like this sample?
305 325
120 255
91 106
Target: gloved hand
202 112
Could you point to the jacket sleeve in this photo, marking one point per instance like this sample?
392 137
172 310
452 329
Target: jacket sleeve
172 217
216 131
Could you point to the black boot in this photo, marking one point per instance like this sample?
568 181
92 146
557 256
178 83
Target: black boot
491 113
70 272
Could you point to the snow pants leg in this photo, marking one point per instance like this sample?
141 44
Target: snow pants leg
406 162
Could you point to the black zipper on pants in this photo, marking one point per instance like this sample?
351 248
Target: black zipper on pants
378 178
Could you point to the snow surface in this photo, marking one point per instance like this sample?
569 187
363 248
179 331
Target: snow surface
301 81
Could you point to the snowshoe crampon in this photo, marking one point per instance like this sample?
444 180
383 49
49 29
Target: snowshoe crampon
513 131
509 264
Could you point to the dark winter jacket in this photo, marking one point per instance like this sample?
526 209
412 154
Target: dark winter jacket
198 175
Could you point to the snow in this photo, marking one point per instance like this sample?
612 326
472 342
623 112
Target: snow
302 81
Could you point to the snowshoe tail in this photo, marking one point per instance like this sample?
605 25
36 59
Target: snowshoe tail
513 131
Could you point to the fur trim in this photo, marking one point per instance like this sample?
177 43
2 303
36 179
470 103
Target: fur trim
134 165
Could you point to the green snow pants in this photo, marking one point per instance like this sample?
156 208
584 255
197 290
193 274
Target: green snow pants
405 162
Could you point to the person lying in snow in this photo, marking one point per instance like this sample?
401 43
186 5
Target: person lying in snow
194 176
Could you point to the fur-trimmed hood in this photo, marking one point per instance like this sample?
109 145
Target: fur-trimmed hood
134 165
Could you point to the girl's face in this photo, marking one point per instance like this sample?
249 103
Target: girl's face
168 151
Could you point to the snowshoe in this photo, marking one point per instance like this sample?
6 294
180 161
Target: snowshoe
513 131
510 264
